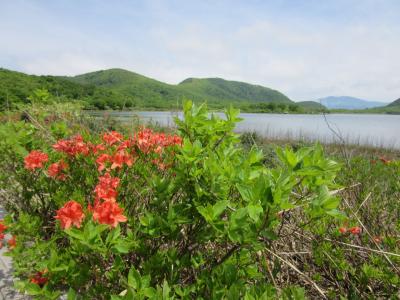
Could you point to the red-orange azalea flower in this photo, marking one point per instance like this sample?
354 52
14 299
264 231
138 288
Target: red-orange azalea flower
12 243
108 213
70 214
120 158
2 226
384 160
112 137
55 170
106 188
73 146
39 279
101 160
355 230
35 159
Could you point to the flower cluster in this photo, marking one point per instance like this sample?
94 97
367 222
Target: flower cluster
70 214
111 155
108 212
39 278
56 170
73 146
353 230
106 189
2 235
147 140
11 242
35 160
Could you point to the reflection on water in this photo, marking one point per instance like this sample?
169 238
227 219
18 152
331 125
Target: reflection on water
374 130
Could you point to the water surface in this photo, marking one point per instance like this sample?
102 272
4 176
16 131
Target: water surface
366 129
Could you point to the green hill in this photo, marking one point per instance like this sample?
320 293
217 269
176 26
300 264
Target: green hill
140 90
218 89
16 87
311 105
148 92
394 103
119 89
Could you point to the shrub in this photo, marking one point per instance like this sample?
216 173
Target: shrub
161 216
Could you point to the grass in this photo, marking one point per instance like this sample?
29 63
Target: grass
369 187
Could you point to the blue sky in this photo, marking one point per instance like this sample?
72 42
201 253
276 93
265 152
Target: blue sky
307 49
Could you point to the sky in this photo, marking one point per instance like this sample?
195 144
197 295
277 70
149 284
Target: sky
306 49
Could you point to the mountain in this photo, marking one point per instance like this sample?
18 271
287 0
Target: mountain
394 103
311 105
225 90
16 87
119 89
346 102
149 92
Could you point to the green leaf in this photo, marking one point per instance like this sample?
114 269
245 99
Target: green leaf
254 211
134 279
218 208
71 294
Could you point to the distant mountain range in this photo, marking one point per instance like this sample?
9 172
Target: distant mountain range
311 105
346 102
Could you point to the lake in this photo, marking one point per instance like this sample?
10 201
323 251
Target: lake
366 129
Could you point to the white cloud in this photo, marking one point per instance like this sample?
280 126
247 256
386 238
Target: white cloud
304 58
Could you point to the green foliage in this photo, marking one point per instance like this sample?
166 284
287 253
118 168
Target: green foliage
201 228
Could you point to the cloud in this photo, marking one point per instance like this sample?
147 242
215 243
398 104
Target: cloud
306 50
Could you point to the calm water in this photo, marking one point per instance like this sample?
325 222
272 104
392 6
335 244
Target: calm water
375 130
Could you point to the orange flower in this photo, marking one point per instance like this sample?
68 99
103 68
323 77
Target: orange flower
73 146
97 148
342 230
378 239
12 243
2 235
147 140
101 161
35 159
55 170
70 214
39 279
112 137
108 213
106 188
2 226
355 230
384 160
121 158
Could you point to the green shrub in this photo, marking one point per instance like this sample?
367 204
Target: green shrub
160 216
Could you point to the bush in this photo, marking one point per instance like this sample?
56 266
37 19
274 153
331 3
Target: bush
160 216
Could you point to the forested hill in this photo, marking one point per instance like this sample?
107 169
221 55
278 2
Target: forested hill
118 89
395 103
16 87
149 92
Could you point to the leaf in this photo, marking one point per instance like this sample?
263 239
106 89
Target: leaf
75 233
165 290
71 294
219 207
254 211
134 279
123 247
